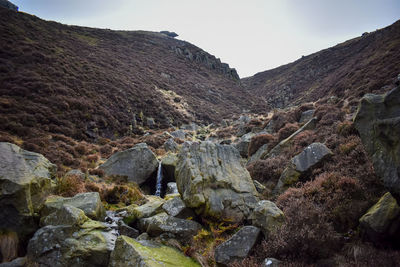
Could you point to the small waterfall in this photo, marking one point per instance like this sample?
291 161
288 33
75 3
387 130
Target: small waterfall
159 180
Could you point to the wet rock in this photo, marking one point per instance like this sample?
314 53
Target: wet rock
382 220
163 223
131 253
238 246
90 203
177 208
25 182
137 164
378 122
267 216
90 244
302 163
212 181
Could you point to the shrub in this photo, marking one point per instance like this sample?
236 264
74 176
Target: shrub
268 171
259 140
69 186
287 130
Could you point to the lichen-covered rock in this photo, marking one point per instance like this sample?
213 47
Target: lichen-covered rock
87 245
137 164
212 181
238 246
89 202
66 215
177 208
131 253
152 207
302 163
378 122
382 220
267 216
163 223
25 182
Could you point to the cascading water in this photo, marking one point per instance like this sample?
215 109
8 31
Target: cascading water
159 180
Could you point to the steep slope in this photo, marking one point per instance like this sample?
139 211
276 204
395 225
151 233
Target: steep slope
84 82
362 65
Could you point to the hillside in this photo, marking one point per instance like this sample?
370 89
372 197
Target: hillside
85 83
348 70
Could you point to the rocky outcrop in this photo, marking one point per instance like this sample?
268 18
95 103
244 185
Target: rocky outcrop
137 164
90 203
131 253
25 182
301 164
267 216
8 4
382 220
212 181
238 246
378 122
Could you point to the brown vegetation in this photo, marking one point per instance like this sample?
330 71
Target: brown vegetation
258 141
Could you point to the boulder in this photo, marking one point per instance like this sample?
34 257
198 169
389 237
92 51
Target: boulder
179 134
301 164
382 220
137 164
163 223
267 216
171 146
306 115
243 144
90 203
89 244
131 253
172 188
378 122
66 215
177 208
238 246
152 207
25 182
212 181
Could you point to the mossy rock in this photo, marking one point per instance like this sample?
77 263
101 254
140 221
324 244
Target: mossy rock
131 253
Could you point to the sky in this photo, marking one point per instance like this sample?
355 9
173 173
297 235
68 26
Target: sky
251 36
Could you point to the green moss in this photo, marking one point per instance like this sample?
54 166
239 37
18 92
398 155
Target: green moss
155 256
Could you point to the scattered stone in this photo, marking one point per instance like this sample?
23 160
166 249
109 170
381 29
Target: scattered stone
267 216
163 223
259 186
378 122
171 146
306 115
25 182
302 163
63 245
271 262
179 134
78 173
238 246
172 188
382 220
131 253
90 203
212 181
137 164
177 208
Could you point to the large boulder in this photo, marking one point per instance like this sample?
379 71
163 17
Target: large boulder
25 182
212 181
137 164
378 122
89 202
301 164
163 223
238 246
382 220
131 253
267 216
89 244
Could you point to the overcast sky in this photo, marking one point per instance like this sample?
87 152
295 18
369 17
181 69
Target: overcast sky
251 36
